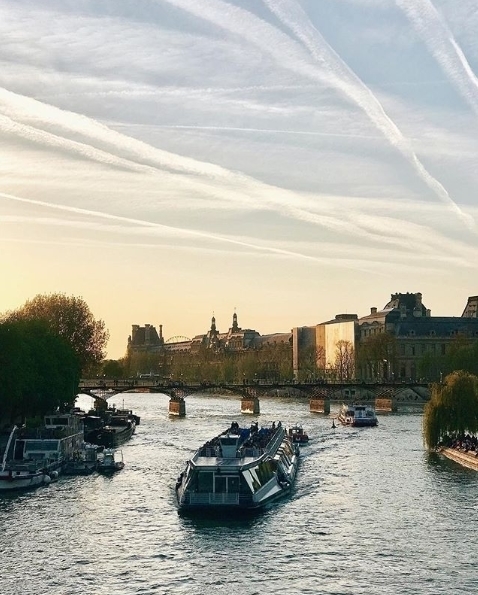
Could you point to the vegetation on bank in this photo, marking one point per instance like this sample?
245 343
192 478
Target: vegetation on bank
452 409
45 348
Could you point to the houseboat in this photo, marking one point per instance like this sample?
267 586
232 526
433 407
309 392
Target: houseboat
241 469
357 415
110 429
35 457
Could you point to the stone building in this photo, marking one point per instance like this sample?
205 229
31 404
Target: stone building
328 347
416 333
235 339
145 338
387 344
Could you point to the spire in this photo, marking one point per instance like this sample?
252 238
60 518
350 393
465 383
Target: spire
235 328
213 323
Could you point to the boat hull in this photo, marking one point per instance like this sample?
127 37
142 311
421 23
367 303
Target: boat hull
358 423
27 481
110 436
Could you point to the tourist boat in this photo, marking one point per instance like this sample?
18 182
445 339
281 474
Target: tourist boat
108 463
357 415
35 457
298 434
241 469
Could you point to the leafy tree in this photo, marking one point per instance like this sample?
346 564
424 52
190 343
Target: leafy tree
39 371
452 409
461 355
71 319
113 368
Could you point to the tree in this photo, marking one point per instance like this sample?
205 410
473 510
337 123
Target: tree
71 319
377 356
452 409
39 371
344 360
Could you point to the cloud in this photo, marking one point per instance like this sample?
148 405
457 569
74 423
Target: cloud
345 80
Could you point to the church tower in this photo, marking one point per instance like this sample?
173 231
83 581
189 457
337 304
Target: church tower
235 328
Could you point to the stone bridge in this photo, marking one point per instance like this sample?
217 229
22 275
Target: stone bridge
409 393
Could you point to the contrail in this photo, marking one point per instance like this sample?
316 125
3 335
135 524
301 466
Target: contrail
169 229
335 73
264 130
293 16
434 31
235 189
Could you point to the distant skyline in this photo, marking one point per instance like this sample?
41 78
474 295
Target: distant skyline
290 159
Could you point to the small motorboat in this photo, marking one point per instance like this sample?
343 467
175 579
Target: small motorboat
108 462
297 434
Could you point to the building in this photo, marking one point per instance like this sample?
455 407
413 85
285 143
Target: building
235 339
401 341
417 336
390 344
326 349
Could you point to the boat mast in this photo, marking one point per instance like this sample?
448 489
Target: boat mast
7 448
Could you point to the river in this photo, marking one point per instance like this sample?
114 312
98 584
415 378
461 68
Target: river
372 513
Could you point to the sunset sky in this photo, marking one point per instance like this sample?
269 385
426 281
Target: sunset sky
285 159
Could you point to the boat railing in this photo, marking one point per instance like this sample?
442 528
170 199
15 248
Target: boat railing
276 440
212 498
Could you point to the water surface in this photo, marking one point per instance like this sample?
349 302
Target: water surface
372 513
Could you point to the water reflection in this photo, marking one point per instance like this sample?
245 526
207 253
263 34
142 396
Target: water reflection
446 469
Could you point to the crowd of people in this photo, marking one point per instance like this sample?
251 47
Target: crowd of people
463 442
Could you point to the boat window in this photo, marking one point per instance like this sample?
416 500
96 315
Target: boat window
229 441
265 471
41 445
57 421
226 484
205 481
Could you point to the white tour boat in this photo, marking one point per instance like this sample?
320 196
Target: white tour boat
357 416
241 469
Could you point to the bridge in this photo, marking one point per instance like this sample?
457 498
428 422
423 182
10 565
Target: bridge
403 393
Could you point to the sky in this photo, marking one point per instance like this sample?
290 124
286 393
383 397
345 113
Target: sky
287 160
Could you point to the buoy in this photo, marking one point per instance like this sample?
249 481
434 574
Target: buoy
46 479
333 423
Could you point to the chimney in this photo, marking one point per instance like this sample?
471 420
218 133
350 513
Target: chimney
373 310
